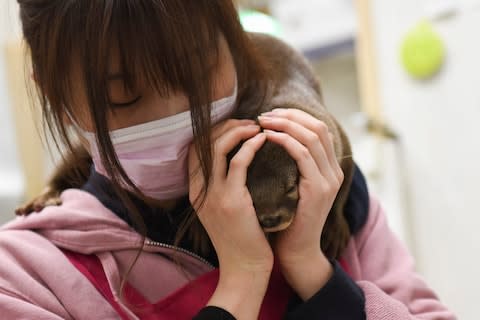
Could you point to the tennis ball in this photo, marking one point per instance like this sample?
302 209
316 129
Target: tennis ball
422 51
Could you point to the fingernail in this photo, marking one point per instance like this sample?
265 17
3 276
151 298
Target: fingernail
265 118
269 131
259 136
267 114
277 110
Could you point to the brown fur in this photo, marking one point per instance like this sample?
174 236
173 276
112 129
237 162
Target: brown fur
273 175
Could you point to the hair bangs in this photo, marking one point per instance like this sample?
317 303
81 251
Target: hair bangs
164 45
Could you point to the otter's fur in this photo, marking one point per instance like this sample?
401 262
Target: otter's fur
273 174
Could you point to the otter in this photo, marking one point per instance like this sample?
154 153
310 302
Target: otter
273 176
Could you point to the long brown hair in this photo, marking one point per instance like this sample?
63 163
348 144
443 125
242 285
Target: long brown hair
172 44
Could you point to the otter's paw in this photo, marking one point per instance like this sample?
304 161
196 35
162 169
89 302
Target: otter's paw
47 198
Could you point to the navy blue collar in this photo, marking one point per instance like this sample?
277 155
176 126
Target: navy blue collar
358 202
161 224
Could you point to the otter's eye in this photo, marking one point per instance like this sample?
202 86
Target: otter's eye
292 189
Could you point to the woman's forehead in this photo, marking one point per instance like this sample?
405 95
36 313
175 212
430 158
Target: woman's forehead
115 54
223 66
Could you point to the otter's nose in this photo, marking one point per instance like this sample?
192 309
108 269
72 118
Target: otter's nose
270 221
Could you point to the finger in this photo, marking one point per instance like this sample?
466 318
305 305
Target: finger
299 116
305 162
224 126
230 129
306 137
237 172
218 130
226 143
313 124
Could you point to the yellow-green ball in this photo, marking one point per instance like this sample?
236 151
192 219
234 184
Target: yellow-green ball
423 52
255 21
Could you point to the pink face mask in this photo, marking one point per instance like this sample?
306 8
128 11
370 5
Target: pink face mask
154 154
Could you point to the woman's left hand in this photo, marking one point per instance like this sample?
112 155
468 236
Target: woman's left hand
297 248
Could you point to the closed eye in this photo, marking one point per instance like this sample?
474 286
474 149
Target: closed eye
125 104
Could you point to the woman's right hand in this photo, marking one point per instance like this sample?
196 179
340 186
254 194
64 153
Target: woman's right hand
228 215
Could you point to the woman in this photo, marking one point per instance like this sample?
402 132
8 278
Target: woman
139 81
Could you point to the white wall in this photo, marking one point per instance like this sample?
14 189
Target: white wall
438 122
11 184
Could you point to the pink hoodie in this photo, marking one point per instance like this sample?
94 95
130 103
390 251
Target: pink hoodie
37 281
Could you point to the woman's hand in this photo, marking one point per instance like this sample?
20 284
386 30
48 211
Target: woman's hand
228 215
297 248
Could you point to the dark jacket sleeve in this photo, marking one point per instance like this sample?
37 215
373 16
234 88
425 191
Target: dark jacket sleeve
213 313
340 298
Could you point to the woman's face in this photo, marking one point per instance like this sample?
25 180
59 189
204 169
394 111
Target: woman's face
145 104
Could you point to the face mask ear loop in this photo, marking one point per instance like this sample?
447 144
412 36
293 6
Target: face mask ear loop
225 103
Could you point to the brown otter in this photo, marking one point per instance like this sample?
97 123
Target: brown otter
273 175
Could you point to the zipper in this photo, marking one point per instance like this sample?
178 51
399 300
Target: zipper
181 250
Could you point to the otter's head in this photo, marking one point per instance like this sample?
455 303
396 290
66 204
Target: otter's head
273 184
